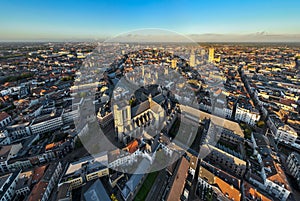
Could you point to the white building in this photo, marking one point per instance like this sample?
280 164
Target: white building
18 131
19 164
70 116
192 59
223 112
47 123
8 186
246 115
4 139
293 165
7 152
85 169
286 134
23 183
211 55
273 179
282 132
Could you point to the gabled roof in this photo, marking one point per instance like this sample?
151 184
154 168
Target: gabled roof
140 108
38 191
179 181
3 115
227 189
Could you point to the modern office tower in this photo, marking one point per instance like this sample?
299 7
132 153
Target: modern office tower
192 59
143 71
202 52
211 54
174 63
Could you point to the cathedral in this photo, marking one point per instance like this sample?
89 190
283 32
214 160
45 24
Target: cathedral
147 116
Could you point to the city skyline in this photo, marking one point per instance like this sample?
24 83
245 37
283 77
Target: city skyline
254 21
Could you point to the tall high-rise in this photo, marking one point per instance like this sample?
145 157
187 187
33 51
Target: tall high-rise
192 59
174 63
211 55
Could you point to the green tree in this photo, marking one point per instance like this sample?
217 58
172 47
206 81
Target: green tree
82 94
261 124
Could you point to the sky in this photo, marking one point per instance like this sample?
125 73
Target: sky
206 20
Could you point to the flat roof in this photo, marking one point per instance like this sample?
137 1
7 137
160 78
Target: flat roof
75 166
4 151
47 117
219 121
206 148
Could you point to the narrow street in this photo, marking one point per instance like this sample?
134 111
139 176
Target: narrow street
266 131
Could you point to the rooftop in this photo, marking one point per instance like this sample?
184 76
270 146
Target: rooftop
38 191
210 169
135 179
38 173
3 115
6 181
64 191
96 192
50 170
9 151
179 181
206 148
222 122
252 193
227 189
92 161
24 179
47 117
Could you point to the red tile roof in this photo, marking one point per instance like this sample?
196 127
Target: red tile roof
38 173
250 191
227 189
132 146
179 182
38 191
3 115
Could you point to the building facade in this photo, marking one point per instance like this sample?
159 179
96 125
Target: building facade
293 166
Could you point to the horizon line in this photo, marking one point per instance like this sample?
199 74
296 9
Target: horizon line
90 41
258 37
